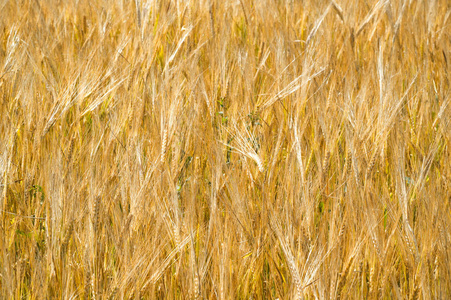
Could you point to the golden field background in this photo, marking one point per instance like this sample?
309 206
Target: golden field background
225 149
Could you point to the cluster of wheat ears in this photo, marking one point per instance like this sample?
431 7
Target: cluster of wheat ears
246 149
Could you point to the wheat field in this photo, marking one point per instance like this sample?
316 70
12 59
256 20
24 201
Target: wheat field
249 149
